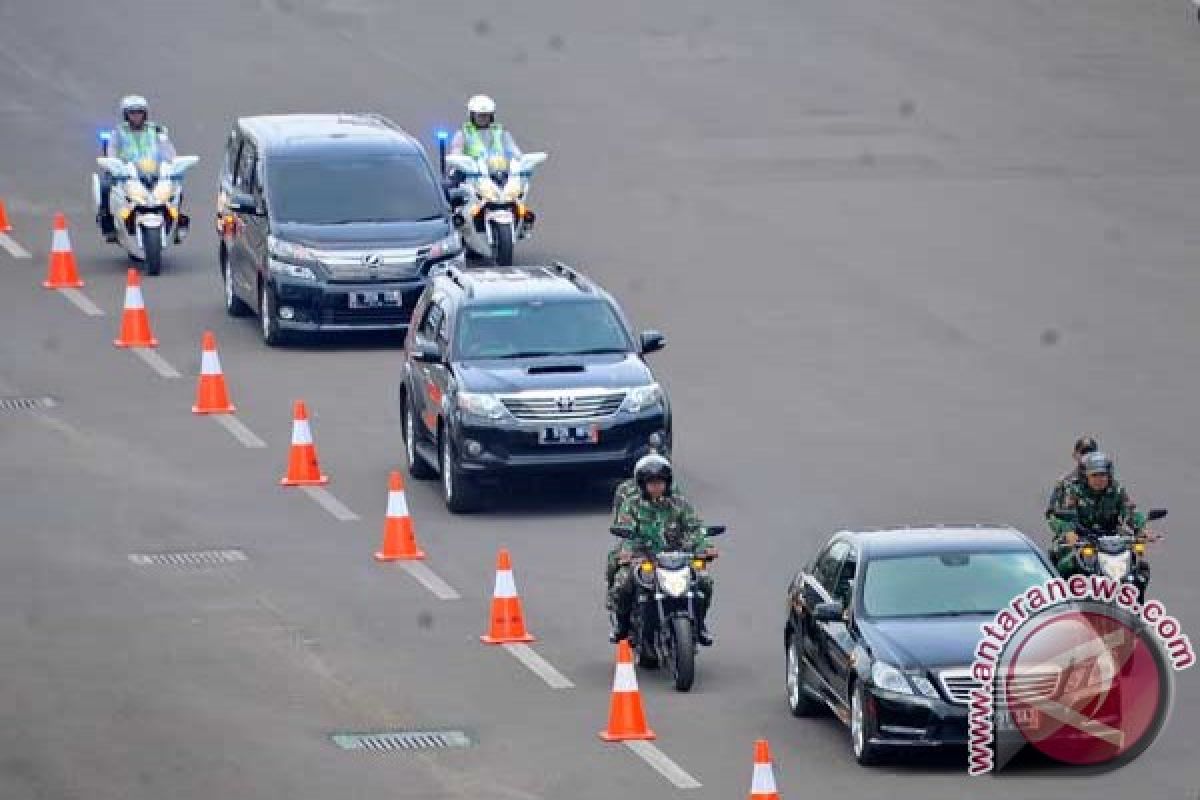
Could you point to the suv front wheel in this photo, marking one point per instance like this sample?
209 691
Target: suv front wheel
418 467
460 494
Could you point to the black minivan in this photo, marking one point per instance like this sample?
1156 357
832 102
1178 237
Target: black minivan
329 222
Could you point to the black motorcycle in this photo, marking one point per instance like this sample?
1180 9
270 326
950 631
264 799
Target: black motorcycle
1119 554
664 618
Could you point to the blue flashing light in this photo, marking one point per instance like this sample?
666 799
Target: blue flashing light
443 135
104 136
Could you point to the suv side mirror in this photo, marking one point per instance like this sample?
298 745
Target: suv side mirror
426 352
652 342
828 612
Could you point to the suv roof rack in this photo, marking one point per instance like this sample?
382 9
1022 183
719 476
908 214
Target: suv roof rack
564 270
460 278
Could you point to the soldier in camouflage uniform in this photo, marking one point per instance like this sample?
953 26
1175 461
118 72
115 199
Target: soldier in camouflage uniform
1083 446
1100 503
659 520
628 489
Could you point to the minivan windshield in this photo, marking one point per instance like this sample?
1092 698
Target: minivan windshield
948 584
374 187
539 328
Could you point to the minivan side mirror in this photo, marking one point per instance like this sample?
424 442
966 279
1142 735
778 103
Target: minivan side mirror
652 342
426 352
828 612
243 203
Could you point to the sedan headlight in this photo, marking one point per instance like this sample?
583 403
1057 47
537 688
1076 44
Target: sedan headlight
643 397
887 677
481 405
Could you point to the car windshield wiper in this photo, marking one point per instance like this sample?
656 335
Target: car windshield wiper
954 613
593 351
532 354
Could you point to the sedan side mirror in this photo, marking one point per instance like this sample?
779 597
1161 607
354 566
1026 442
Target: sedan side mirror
652 342
828 612
426 352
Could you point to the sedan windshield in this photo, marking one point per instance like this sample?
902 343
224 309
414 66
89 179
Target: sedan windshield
948 584
539 328
365 188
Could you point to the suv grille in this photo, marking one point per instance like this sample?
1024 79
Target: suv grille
389 264
563 405
1030 686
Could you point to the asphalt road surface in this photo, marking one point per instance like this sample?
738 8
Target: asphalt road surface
904 253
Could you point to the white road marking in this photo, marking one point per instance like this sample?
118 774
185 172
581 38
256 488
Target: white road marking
13 247
82 302
156 362
539 666
240 432
663 764
430 580
327 501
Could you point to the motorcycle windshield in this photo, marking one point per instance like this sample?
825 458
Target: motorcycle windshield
672 560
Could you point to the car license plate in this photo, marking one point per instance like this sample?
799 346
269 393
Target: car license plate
1017 719
570 434
374 299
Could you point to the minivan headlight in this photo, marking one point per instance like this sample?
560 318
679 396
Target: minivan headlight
642 397
481 405
887 677
289 251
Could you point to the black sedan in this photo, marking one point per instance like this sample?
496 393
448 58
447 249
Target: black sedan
882 628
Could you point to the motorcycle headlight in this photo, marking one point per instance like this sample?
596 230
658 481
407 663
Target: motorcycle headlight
512 192
481 405
446 247
887 677
1115 567
164 191
674 582
642 397
137 192
489 192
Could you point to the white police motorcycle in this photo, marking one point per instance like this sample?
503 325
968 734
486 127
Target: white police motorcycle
492 215
145 205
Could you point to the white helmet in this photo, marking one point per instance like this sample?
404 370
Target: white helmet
133 102
481 104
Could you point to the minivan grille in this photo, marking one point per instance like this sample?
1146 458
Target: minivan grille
1030 686
385 264
563 406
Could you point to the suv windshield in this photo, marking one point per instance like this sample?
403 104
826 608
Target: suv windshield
352 188
539 328
948 584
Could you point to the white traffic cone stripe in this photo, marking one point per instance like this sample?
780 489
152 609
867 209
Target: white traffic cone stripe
763 781
301 433
397 505
505 585
625 679
60 243
210 364
133 298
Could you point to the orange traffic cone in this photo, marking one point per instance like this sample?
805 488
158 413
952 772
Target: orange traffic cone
4 226
303 469
762 785
508 620
626 718
212 396
135 322
399 541
63 273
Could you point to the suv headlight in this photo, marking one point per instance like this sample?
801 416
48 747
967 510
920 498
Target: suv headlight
447 246
481 405
643 397
292 260
887 677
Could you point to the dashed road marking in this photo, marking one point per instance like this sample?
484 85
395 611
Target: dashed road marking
430 580
539 666
13 247
663 765
156 362
82 302
327 501
240 432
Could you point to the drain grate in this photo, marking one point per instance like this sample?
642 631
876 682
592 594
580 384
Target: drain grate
202 558
26 403
402 740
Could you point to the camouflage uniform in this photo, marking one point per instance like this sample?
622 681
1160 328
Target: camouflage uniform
626 490
664 524
1058 495
1099 511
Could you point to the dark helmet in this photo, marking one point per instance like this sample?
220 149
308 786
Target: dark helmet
1085 445
653 467
1097 463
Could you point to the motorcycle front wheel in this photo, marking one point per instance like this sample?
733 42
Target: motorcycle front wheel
152 246
502 245
682 653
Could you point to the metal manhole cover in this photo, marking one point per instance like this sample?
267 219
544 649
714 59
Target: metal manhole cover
201 558
26 403
390 741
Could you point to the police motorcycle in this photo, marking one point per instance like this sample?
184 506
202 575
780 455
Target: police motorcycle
1118 554
491 213
145 205
664 620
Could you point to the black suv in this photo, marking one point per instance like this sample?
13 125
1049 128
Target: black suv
329 223
882 628
525 369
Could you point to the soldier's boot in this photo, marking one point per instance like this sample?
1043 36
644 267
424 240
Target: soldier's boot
703 636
